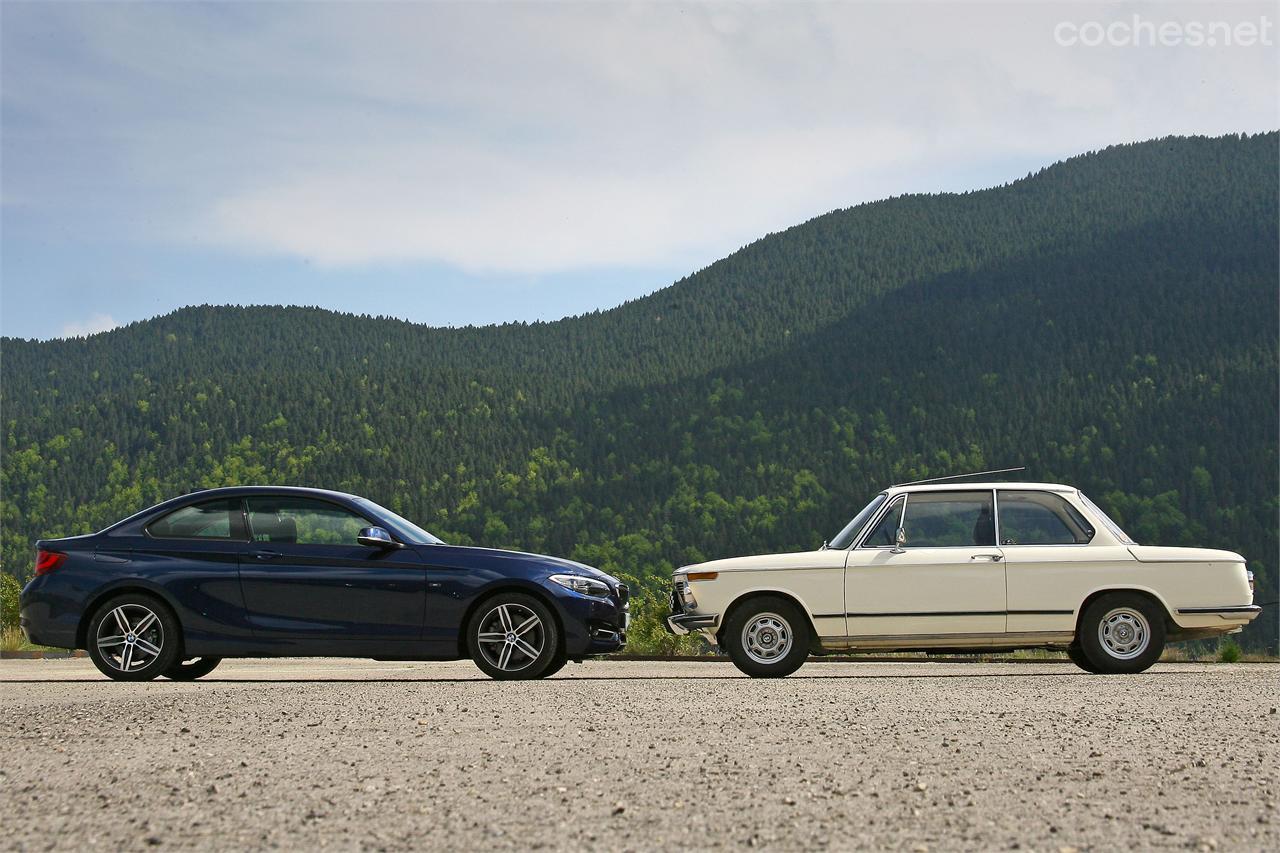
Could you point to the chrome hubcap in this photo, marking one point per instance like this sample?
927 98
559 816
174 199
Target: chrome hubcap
130 638
1124 633
511 637
766 638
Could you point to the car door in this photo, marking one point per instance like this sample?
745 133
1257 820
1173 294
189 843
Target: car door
310 585
945 581
1050 565
192 553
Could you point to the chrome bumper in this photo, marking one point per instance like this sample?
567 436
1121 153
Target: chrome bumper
684 623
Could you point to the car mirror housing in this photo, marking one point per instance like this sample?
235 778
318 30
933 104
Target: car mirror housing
376 537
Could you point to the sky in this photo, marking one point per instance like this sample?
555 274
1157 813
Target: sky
486 162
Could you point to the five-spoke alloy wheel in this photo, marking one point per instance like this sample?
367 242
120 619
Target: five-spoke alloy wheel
133 637
1121 632
515 636
767 637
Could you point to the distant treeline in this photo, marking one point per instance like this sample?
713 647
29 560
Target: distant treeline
1109 322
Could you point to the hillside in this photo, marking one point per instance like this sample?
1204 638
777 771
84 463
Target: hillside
1110 321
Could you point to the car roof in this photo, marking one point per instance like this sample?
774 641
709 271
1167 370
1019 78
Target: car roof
243 491
952 487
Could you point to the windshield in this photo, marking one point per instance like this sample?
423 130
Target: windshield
404 529
1106 520
845 537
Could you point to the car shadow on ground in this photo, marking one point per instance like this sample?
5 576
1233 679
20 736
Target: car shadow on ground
565 679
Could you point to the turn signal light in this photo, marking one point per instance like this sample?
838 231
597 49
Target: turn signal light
47 561
703 576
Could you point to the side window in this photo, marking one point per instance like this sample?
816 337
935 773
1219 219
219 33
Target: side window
886 532
302 521
1041 518
209 520
949 520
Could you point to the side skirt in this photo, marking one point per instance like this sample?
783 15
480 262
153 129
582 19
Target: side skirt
978 642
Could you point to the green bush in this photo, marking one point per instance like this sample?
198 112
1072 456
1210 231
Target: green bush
1228 652
10 590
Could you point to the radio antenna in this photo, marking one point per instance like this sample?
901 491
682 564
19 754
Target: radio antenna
960 476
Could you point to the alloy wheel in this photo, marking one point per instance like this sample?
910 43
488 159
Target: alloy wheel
130 637
511 637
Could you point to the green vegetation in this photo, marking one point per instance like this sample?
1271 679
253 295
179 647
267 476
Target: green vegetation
1109 322
1228 652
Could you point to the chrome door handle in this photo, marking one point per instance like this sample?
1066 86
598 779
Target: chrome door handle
995 558
266 555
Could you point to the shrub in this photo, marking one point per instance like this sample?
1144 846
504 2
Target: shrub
1228 652
10 590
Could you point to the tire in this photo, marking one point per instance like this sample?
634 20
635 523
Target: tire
557 664
767 637
1122 633
198 668
513 636
1077 657
134 637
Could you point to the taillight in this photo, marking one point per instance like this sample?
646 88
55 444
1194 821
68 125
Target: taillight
47 561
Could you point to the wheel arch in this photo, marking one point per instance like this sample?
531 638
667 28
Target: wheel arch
752 594
509 585
1146 592
121 587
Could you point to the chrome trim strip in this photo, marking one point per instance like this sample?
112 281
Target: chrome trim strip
1235 608
984 641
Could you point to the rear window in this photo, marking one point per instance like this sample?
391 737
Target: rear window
221 519
1040 518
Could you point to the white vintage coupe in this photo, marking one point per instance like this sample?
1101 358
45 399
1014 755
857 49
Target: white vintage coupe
967 568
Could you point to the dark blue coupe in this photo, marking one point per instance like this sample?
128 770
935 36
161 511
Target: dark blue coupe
267 572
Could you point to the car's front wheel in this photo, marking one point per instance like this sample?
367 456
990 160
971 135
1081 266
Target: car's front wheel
767 637
1122 632
134 637
514 636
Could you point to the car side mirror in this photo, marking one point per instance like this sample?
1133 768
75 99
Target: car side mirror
376 537
899 540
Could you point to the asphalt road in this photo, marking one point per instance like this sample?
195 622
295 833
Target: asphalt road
361 755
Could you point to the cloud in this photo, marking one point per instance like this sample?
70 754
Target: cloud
540 138
96 324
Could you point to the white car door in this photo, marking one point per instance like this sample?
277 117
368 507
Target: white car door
1051 563
946 580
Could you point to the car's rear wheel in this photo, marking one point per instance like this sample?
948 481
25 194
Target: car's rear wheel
134 637
197 668
514 636
767 637
1122 632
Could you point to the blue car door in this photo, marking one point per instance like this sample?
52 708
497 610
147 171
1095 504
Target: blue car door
310 587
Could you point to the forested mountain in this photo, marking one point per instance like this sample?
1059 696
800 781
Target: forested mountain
1110 322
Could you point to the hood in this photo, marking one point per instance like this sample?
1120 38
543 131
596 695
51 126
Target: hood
795 560
499 556
1161 554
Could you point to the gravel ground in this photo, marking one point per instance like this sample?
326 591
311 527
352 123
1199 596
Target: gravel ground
625 755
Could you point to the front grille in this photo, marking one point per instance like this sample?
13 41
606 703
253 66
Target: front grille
678 591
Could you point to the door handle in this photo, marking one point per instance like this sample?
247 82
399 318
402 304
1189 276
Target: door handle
995 558
434 584
266 555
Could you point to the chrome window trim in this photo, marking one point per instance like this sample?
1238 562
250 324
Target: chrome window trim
875 522
906 496
1060 495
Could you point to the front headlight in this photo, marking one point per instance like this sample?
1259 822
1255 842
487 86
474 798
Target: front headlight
584 585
